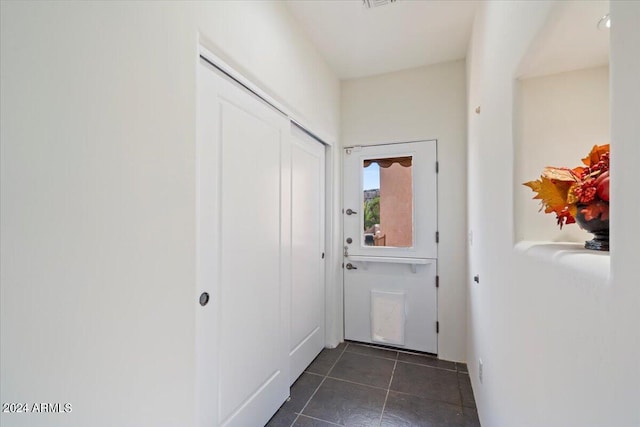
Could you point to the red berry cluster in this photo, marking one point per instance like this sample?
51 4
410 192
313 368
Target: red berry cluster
597 169
587 190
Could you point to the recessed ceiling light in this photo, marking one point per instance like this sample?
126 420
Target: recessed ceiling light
605 22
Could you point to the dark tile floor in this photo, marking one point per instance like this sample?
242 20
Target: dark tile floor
356 385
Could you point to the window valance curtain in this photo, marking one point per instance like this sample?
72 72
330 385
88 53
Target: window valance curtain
385 163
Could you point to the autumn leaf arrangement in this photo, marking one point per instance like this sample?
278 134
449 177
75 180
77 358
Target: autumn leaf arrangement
583 189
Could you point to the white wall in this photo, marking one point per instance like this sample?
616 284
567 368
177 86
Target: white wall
417 104
98 193
557 332
559 118
623 302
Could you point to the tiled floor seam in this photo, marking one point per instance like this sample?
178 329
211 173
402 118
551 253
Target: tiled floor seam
428 366
338 359
318 419
314 373
356 383
307 403
430 398
460 392
370 355
318 388
398 352
384 405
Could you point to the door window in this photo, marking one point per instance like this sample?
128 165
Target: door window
388 202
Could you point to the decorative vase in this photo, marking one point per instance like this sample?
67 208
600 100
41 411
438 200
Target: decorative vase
594 218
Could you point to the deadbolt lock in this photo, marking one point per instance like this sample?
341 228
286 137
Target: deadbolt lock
349 240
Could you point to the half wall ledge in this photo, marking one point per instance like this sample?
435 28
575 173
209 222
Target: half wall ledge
572 257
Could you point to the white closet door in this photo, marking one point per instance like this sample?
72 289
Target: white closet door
307 296
242 254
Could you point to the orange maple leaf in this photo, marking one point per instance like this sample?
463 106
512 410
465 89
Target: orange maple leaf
594 156
552 193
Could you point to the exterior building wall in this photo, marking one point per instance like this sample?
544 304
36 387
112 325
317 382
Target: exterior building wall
396 205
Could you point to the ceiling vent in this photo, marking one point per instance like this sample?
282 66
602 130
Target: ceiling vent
370 4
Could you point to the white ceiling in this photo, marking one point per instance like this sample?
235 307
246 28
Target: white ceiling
570 40
358 42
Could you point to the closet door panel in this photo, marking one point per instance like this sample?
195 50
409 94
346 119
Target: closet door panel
307 285
242 255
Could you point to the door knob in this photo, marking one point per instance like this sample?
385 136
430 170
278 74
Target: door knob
351 212
351 267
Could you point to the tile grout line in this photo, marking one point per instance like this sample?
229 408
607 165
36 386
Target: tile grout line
319 385
404 361
448 402
319 419
305 405
398 352
386 397
314 373
370 355
460 393
428 366
378 356
357 383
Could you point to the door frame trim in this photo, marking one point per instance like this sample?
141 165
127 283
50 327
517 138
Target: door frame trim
392 143
342 231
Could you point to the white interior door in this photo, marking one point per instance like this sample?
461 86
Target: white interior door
242 255
307 296
390 232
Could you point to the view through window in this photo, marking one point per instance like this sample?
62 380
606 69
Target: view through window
388 202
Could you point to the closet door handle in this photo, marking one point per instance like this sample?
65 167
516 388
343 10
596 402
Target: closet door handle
351 267
351 212
204 299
